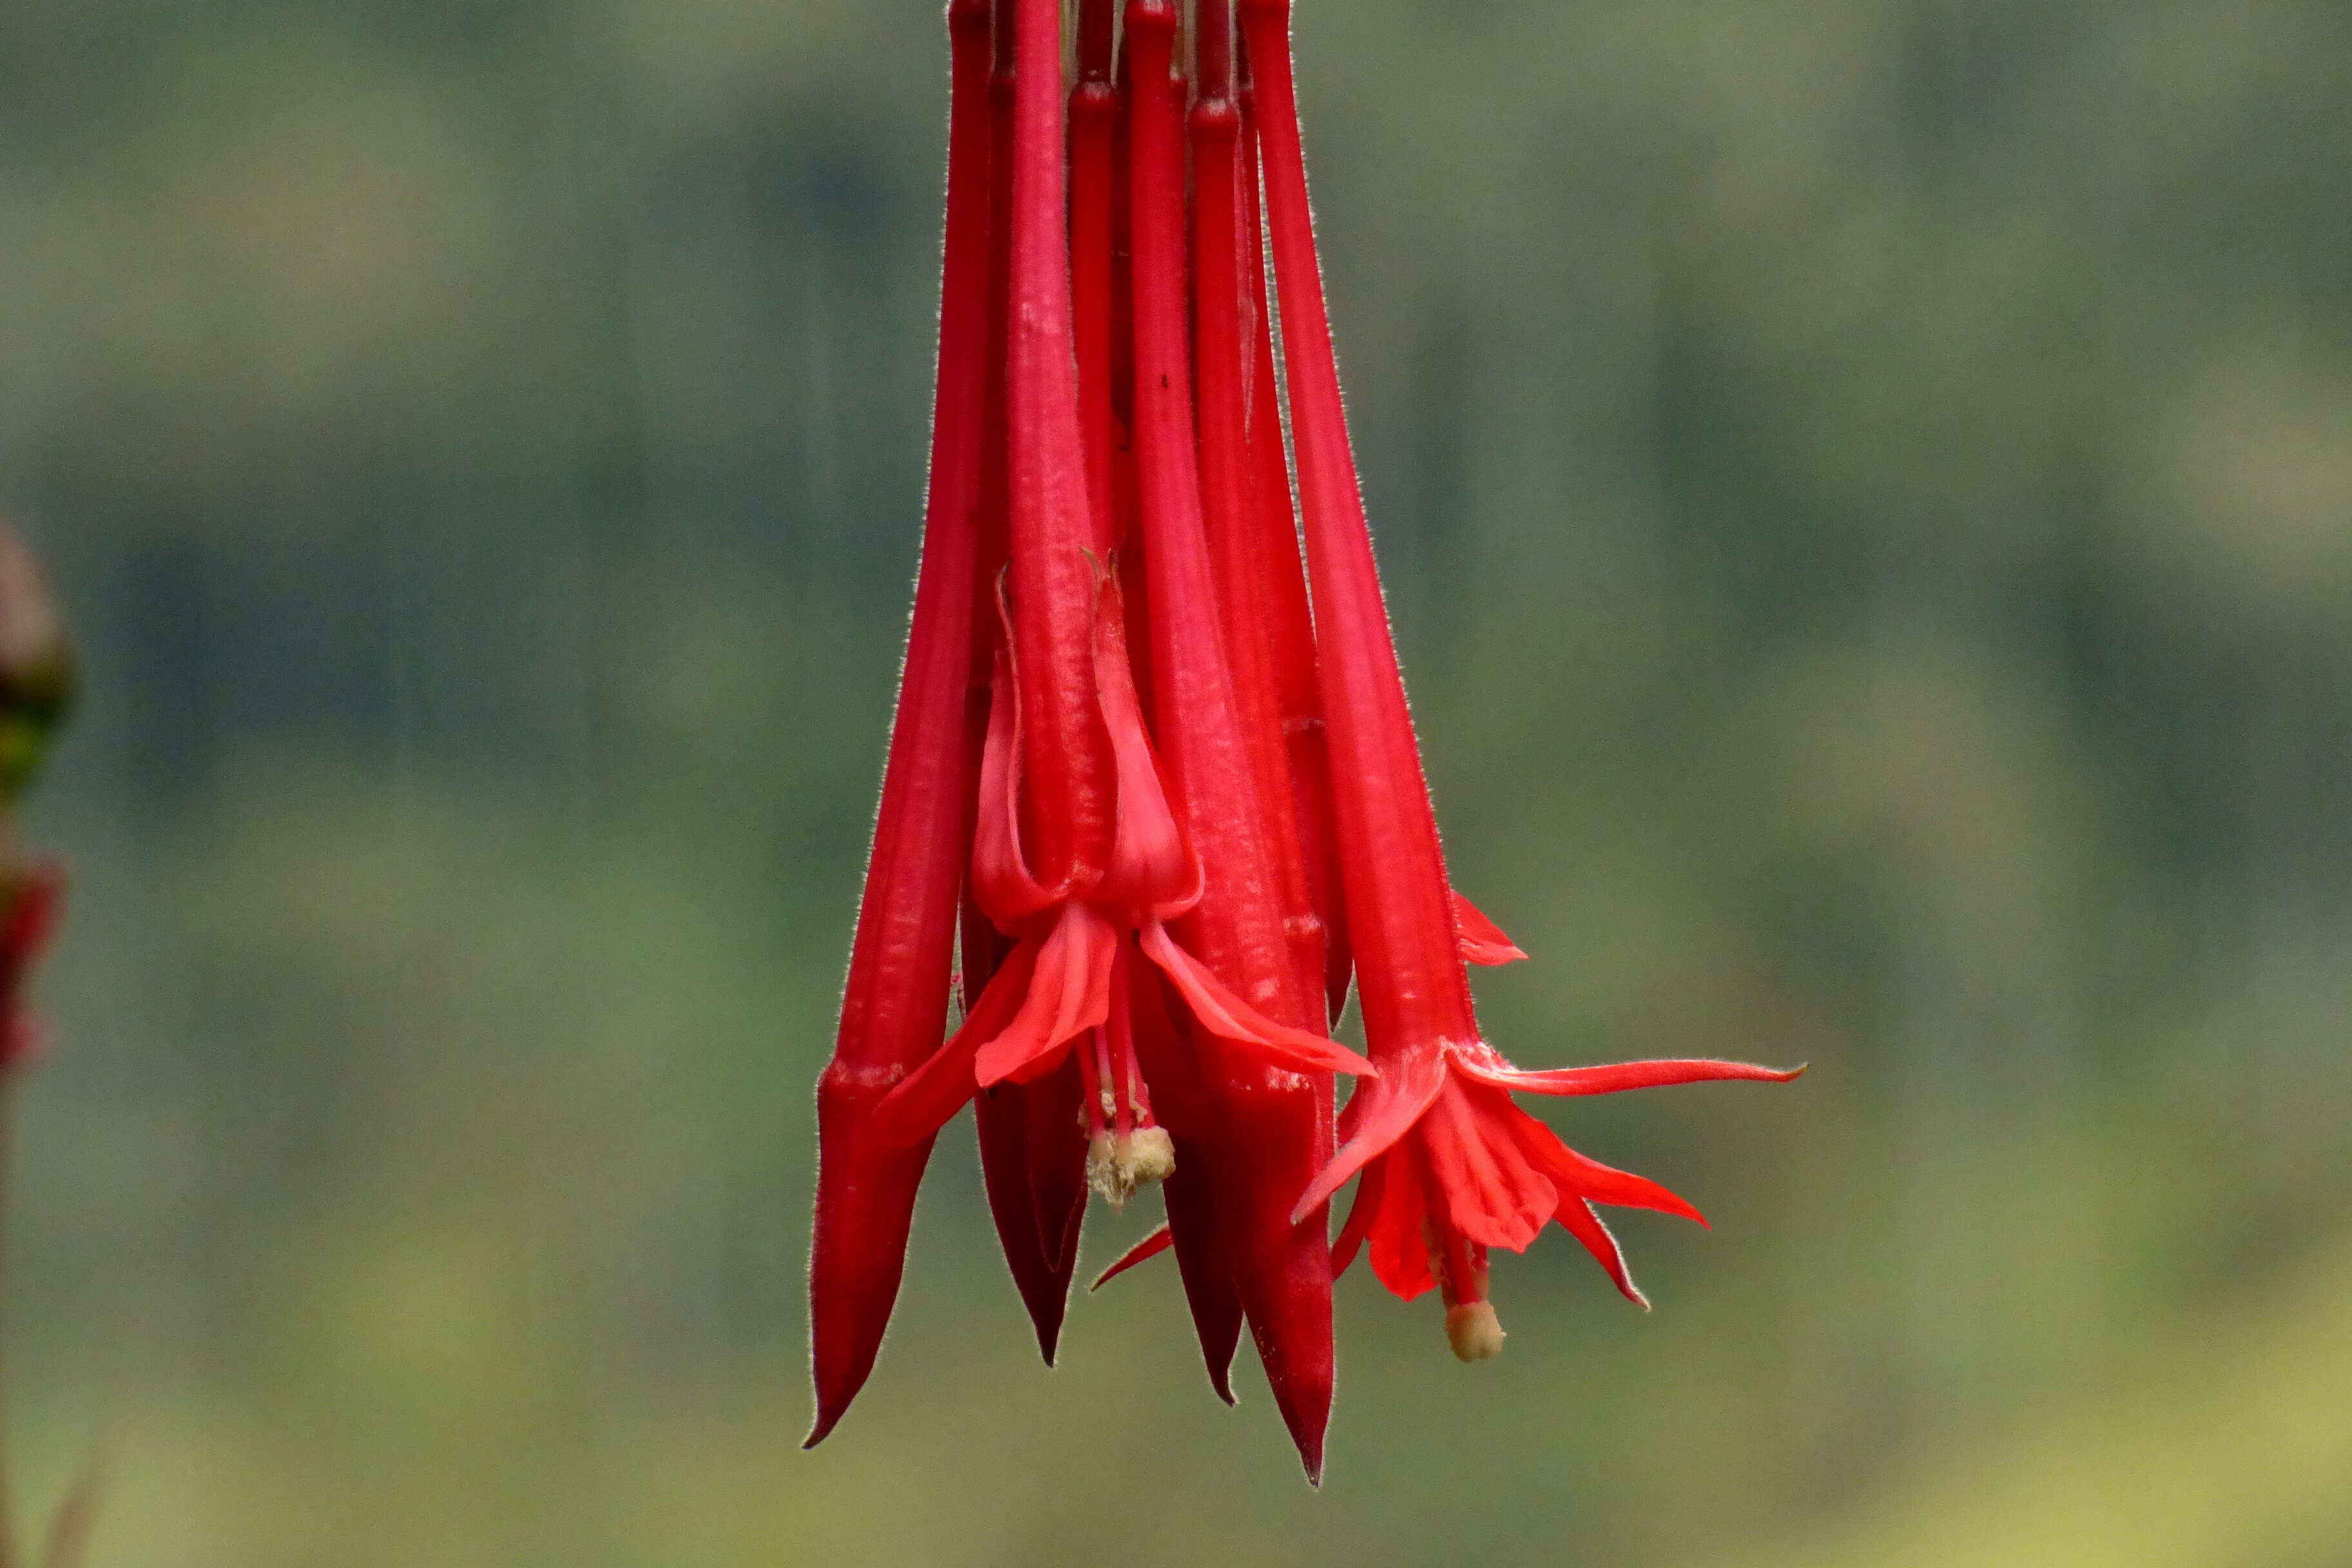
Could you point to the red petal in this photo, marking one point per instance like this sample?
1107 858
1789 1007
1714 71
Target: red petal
1068 995
1493 1193
1400 1252
1383 1111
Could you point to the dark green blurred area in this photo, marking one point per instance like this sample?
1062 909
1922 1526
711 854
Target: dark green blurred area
1866 490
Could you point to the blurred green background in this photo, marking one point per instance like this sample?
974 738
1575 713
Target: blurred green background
1867 490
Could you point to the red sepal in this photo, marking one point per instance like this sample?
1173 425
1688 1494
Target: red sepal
1158 1241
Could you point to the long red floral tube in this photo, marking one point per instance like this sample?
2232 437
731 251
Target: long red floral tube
1268 1121
1153 787
1032 1150
895 1003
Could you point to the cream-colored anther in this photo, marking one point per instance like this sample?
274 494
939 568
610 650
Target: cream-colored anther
1116 1166
1151 1154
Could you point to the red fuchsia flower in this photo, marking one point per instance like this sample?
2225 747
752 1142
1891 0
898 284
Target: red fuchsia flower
1033 1145
1262 1124
1451 1167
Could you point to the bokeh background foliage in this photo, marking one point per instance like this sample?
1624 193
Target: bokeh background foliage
1867 492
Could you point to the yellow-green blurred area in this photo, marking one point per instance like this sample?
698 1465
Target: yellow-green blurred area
1866 493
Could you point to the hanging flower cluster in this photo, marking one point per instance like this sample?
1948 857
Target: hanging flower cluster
1161 810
